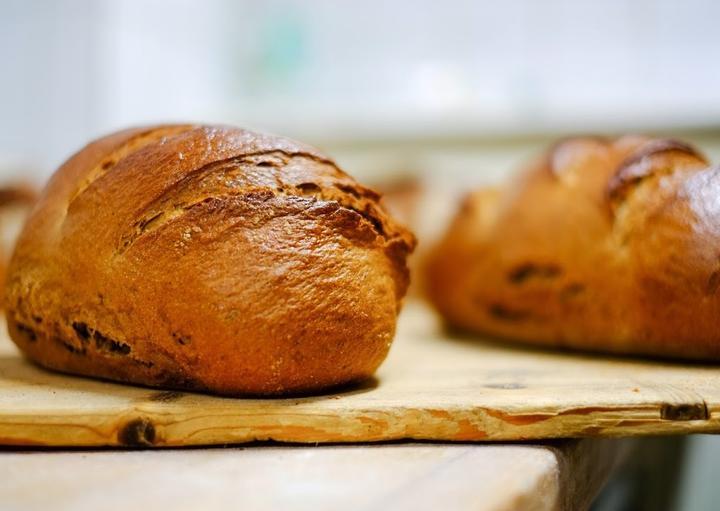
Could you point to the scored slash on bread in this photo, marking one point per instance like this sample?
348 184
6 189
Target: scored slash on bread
601 244
207 258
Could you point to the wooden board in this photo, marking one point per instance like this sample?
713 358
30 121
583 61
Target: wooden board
565 475
431 387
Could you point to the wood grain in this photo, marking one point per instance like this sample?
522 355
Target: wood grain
564 475
432 387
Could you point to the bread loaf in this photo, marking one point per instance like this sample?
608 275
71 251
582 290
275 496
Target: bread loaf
607 245
207 258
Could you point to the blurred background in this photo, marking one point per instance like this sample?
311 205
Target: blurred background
441 94
428 86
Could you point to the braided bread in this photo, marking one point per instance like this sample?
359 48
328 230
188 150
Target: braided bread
207 258
607 245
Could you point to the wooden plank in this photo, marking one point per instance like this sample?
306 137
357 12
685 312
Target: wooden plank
432 387
563 476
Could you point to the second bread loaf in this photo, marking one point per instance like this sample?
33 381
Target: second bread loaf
608 245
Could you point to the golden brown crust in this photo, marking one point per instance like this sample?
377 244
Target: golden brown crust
209 258
609 245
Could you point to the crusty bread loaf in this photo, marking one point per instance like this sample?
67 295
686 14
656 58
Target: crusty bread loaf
607 245
207 258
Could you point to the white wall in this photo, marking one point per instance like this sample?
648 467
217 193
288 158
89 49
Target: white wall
330 70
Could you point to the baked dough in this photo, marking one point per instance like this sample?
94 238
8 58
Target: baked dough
607 245
207 258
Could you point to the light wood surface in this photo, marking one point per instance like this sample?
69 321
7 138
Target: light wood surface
563 475
431 387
